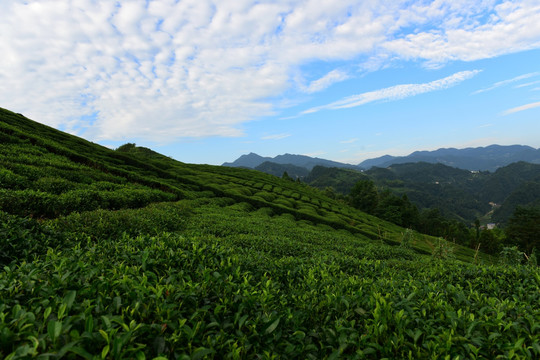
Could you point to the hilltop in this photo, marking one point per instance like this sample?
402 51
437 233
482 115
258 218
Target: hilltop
130 254
253 160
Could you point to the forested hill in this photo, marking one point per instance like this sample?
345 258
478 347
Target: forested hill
459 194
128 254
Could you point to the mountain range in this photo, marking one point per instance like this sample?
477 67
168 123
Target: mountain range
488 158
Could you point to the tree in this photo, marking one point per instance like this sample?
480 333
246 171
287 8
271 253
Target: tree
524 228
459 233
489 242
398 210
330 192
364 196
127 147
430 222
409 213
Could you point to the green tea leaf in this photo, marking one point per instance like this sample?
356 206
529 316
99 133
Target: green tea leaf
105 351
242 321
62 310
54 329
89 324
200 353
272 326
70 298
81 352
47 313
104 335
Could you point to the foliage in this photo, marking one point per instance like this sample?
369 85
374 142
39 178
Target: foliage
459 194
275 169
407 239
364 196
177 296
442 249
160 259
532 259
490 242
511 255
22 238
400 211
524 228
340 179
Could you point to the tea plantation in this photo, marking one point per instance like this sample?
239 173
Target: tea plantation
128 254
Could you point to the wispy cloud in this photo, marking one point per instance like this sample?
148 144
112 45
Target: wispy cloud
527 84
275 137
522 108
332 77
350 141
507 82
396 92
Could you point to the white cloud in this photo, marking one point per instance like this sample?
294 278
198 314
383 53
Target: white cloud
508 81
464 34
332 77
349 141
522 108
275 137
527 84
395 92
164 69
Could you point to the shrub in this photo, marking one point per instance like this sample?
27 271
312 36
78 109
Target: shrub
265 195
284 202
511 255
10 180
28 203
20 238
442 249
53 185
407 239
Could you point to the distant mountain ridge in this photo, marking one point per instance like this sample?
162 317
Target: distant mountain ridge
488 158
253 160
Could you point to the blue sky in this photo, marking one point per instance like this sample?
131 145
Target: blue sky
207 81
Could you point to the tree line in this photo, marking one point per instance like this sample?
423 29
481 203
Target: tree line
522 230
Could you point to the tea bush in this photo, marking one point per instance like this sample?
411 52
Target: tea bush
129 254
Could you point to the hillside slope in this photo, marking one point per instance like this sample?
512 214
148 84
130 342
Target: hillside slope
46 173
129 254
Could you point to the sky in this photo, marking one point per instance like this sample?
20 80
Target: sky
206 81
